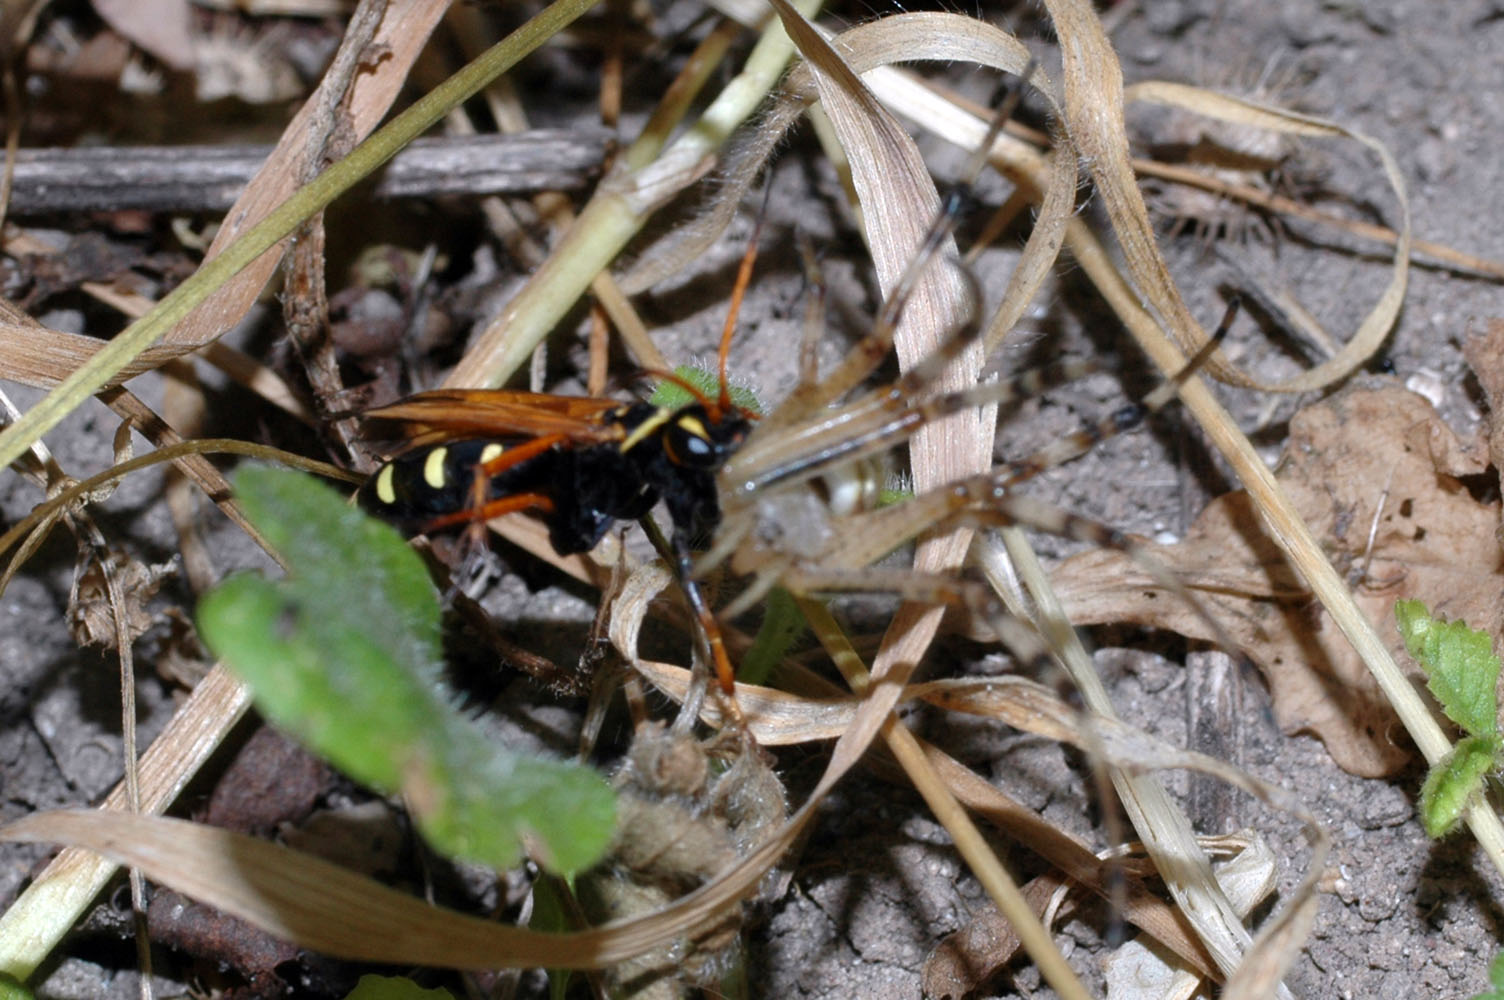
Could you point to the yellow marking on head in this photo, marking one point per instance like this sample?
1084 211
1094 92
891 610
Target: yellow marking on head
647 427
433 468
384 491
695 427
490 451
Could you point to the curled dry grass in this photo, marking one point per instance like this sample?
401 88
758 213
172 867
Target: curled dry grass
855 80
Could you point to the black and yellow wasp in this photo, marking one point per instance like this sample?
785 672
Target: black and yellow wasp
578 463
582 463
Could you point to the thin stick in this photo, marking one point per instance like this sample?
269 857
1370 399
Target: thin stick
209 178
96 372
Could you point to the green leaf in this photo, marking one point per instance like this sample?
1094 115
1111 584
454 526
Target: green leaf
345 654
1496 976
373 987
13 989
674 395
1455 782
782 625
1461 668
552 904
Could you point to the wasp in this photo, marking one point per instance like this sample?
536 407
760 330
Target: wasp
580 464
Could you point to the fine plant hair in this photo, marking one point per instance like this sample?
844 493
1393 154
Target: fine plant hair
726 187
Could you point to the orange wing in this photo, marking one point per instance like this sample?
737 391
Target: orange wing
480 413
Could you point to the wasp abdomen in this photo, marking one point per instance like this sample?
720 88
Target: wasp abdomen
428 483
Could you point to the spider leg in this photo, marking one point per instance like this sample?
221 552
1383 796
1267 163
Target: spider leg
809 397
911 411
1027 646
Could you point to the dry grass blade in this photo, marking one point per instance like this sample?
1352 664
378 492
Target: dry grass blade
980 857
621 205
278 223
47 357
39 918
1366 340
898 205
870 49
873 48
1093 89
302 898
780 718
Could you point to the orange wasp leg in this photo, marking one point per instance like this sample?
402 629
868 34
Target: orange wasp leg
725 673
482 509
481 513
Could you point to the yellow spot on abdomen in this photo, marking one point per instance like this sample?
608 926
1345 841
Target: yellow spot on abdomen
384 491
491 451
433 468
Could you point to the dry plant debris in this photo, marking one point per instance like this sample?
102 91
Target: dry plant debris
1378 476
1371 456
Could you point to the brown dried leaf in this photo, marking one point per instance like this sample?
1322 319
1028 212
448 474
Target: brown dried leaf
1375 444
1485 355
90 616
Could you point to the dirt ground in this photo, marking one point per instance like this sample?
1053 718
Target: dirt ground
878 884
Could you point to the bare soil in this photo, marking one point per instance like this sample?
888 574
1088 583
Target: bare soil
878 884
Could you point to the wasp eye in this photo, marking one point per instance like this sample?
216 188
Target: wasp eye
693 449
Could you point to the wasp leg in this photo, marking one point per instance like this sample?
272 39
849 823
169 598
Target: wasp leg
515 456
725 673
483 512
482 507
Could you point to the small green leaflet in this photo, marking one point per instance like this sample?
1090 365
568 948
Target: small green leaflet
1461 668
1461 671
673 395
345 654
1451 785
1495 976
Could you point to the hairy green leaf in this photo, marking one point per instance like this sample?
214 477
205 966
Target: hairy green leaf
672 394
1461 668
1454 782
344 653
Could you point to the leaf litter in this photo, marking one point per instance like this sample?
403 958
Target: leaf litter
1379 477
1371 574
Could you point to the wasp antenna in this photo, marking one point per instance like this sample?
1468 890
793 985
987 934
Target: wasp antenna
738 292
